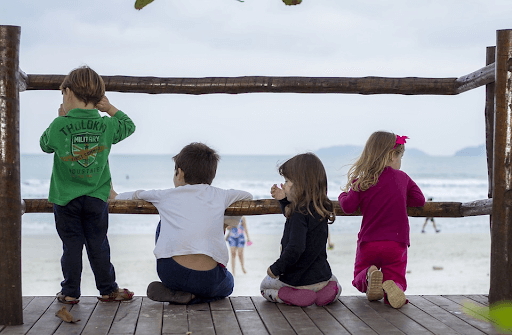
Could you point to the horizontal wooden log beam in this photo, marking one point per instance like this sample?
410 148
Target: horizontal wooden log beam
476 79
254 84
271 206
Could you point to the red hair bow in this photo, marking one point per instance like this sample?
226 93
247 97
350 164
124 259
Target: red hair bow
400 140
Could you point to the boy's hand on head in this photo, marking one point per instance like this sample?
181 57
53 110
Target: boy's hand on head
277 193
105 106
272 275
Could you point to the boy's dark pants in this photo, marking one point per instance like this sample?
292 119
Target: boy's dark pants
84 220
207 286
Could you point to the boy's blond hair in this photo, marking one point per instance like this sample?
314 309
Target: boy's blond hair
378 151
86 84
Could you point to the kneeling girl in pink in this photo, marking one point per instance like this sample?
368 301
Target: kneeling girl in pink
382 192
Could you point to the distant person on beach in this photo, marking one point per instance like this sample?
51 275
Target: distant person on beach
382 192
330 245
191 253
237 231
80 140
302 276
431 219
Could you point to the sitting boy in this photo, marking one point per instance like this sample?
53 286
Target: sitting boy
190 248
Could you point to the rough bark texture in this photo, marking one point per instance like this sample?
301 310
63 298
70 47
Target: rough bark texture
501 229
11 312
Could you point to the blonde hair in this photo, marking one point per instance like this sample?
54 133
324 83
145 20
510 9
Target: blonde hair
307 173
379 150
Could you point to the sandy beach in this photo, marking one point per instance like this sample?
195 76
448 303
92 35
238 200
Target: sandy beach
444 263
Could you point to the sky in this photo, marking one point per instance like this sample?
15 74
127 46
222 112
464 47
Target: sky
229 38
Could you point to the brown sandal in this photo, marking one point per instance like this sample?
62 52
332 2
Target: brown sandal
67 300
119 295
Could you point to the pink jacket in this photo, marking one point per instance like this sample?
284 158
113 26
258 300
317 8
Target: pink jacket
384 207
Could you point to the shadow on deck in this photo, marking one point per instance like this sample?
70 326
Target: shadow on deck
254 315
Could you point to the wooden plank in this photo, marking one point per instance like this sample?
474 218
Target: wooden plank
175 319
48 322
369 316
426 320
204 306
247 316
398 317
221 305
299 320
101 318
463 300
31 314
200 322
26 301
348 319
82 311
150 317
242 304
483 299
271 316
456 309
442 315
225 323
126 318
325 322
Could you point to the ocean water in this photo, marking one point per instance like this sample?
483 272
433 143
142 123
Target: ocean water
459 179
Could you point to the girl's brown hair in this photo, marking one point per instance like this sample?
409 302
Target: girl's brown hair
307 173
86 84
380 148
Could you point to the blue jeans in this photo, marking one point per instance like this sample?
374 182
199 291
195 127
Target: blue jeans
84 221
207 286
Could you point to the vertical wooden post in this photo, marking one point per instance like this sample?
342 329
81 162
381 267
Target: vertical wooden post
489 118
11 312
501 229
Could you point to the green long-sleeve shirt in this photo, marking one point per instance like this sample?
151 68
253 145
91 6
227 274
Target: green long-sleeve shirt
81 143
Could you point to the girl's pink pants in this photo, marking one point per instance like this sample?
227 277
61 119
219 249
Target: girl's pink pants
389 256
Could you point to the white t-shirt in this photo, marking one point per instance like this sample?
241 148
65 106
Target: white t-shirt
192 219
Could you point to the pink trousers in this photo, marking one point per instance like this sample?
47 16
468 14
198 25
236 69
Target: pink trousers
389 256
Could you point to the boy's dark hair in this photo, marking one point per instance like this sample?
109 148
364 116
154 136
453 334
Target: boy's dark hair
198 162
86 84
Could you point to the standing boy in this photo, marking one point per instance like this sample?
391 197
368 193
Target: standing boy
190 248
80 140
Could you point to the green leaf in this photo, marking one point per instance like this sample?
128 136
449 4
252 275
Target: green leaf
292 2
499 314
139 4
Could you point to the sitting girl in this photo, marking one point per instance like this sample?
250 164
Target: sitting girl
302 276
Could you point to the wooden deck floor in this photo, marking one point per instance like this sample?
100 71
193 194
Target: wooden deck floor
254 315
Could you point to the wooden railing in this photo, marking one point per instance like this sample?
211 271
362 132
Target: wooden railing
496 77
271 206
